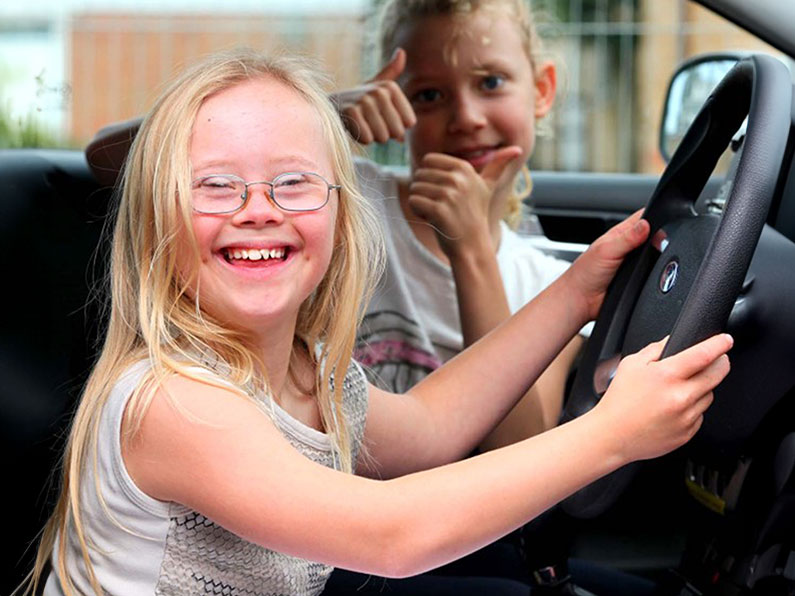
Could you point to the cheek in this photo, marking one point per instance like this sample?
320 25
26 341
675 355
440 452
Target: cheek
206 230
518 126
322 234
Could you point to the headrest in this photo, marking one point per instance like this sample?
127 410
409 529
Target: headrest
107 151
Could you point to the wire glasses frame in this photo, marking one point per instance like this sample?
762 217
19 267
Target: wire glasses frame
217 194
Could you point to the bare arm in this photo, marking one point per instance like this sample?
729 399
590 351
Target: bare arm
539 409
220 455
451 411
482 307
457 201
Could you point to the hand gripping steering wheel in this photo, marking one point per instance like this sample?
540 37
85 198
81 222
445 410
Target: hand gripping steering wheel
684 280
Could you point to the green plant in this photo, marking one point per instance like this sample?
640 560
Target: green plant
26 131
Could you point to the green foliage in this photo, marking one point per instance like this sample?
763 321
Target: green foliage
26 131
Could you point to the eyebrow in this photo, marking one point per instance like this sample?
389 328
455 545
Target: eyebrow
419 80
278 165
295 159
491 65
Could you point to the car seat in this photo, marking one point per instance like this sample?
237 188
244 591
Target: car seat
52 215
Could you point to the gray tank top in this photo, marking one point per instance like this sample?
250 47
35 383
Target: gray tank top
165 548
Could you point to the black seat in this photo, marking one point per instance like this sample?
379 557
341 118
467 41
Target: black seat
51 217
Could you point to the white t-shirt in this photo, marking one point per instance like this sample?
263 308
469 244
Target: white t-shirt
146 546
412 324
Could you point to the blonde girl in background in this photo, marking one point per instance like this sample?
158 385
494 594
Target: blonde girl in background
463 85
226 440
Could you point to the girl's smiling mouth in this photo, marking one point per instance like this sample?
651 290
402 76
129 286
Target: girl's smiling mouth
477 156
248 256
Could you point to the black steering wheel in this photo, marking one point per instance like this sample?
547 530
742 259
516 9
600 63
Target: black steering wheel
684 280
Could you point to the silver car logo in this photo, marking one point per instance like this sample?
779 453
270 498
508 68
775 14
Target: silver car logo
669 275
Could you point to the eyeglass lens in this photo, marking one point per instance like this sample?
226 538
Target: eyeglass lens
292 191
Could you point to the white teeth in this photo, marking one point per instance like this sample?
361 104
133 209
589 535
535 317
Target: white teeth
255 254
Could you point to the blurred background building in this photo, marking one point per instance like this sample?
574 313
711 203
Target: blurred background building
69 67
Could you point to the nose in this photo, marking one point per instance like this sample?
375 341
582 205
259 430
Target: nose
467 113
259 209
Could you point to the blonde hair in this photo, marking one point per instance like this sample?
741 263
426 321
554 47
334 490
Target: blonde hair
152 316
395 14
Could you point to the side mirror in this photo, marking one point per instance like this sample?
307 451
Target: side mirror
689 88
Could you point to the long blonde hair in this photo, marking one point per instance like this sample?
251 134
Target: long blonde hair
395 14
152 316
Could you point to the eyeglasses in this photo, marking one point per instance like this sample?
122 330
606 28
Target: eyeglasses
292 191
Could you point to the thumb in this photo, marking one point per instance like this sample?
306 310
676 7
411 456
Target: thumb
624 237
653 351
633 230
393 68
502 157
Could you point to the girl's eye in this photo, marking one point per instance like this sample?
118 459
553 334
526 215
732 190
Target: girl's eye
492 82
214 183
217 184
426 96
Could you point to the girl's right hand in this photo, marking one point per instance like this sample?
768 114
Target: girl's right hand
654 406
378 110
448 193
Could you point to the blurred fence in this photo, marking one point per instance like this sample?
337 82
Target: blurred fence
614 58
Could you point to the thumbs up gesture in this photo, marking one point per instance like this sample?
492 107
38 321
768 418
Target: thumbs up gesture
378 110
452 196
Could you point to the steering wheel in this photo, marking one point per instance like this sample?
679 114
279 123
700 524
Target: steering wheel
684 280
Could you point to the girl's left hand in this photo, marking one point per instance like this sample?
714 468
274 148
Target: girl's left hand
593 271
454 198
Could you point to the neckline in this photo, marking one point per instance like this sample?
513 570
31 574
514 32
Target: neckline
214 364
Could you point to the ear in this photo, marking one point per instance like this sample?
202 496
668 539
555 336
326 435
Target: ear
546 83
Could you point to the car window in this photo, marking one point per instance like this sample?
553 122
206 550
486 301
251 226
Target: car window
70 67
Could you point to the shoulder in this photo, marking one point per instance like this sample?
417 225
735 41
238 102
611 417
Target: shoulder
365 169
177 422
376 178
195 400
126 384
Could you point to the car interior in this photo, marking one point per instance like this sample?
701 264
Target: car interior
734 512
717 517
55 208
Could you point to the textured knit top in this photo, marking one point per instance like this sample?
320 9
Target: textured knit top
146 546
